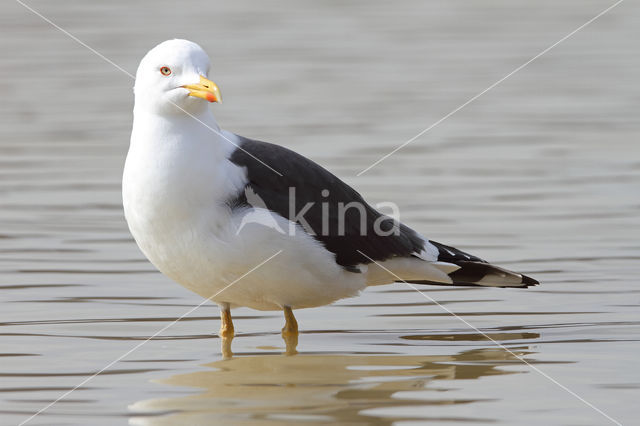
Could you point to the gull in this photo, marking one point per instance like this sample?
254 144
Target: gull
247 223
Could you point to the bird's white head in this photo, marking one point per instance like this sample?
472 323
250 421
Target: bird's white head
172 78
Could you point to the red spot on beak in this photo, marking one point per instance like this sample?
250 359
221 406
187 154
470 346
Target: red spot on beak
211 97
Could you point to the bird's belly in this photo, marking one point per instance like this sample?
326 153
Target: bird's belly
176 247
228 261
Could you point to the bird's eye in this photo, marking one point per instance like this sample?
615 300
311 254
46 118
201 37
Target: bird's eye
165 71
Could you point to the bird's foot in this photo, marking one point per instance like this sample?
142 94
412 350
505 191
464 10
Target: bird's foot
226 332
291 342
226 324
225 347
290 331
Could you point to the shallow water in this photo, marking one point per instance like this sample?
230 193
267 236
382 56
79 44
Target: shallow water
540 174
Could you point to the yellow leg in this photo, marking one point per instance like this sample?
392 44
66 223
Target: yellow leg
291 325
225 347
226 331
290 331
226 325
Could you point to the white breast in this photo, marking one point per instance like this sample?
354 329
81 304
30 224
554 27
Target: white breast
173 184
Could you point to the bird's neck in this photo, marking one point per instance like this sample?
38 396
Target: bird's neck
201 118
157 133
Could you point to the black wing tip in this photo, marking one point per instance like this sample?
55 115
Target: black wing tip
472 273
465 284
528 281
473 269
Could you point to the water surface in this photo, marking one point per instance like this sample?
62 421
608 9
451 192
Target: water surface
541 174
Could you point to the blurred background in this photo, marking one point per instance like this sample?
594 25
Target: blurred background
540 174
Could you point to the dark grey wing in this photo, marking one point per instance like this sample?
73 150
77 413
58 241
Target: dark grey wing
306 190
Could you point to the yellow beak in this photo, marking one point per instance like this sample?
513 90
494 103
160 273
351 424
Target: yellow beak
206 89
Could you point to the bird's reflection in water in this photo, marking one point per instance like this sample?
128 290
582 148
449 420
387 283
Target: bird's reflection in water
290 341
277 389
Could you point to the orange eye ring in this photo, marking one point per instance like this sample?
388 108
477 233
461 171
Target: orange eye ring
165 71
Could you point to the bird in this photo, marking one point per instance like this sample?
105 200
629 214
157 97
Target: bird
246 223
